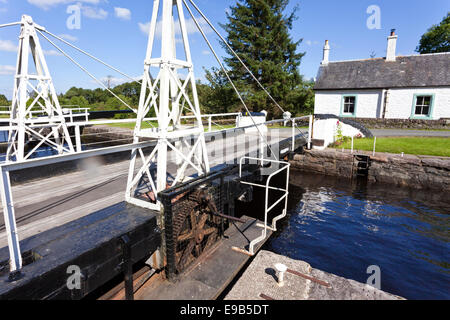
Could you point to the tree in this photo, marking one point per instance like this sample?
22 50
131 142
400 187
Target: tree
437 38
218 96
258 31
131 90
79 101
4 101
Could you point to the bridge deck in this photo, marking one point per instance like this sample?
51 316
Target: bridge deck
98 255
50 202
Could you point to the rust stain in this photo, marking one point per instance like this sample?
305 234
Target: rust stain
323 283
265 297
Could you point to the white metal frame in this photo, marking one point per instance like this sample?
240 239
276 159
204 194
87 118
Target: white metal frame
167 95
7 196
50 130
267 209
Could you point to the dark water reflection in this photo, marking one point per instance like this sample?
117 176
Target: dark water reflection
343 227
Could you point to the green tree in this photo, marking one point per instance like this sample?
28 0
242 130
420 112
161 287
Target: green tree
437 38
258 31
218 96
115 104
131 90
4 101
78 101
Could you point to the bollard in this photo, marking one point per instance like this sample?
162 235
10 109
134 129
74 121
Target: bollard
281 268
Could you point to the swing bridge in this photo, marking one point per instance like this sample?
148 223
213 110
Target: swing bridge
180 193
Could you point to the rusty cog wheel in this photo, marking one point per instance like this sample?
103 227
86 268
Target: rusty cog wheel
195 231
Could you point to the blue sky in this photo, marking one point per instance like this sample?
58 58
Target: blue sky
113 30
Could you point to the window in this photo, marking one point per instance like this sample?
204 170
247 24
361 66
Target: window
423 106
348 106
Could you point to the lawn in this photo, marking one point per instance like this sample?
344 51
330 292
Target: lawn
146 125
432 146
131 125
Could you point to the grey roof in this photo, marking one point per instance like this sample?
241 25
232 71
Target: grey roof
428 70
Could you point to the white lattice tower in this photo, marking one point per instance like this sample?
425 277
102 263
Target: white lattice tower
167 95
41 121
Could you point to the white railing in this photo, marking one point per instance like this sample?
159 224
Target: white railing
285 166
79 124
68 113
7 197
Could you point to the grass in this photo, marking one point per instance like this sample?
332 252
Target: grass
131 125
432 146
145 125
279 126
414 129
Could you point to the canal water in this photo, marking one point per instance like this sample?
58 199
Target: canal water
343 227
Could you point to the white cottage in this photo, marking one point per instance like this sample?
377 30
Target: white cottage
395 87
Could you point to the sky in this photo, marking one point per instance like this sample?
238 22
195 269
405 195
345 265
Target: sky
116 31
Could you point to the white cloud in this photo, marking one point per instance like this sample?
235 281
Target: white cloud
68 37
122 13
206 52
94 13
87 11
7 70
52 53
191 27
7 45
311 43
47 4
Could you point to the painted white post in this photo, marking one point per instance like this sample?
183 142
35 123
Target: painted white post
209 124
310 132
352 146
10 221
293 135
374 145
78 138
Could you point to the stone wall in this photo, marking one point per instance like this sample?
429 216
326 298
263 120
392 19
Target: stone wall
422 172
404 123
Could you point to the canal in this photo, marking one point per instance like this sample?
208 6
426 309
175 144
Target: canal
343 227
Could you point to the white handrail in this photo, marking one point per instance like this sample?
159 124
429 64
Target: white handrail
267 209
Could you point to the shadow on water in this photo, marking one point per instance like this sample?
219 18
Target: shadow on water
343 227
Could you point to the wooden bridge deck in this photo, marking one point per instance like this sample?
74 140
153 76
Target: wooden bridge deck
43 204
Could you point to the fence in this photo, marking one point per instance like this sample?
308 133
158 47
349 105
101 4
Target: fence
6 168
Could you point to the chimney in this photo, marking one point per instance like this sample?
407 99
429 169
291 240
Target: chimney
392 45
326 53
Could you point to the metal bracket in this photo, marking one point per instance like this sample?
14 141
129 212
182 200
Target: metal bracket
127 267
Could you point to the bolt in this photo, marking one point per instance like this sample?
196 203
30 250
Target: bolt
281 268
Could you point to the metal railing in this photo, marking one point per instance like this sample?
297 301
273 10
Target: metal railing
7 197
267 208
